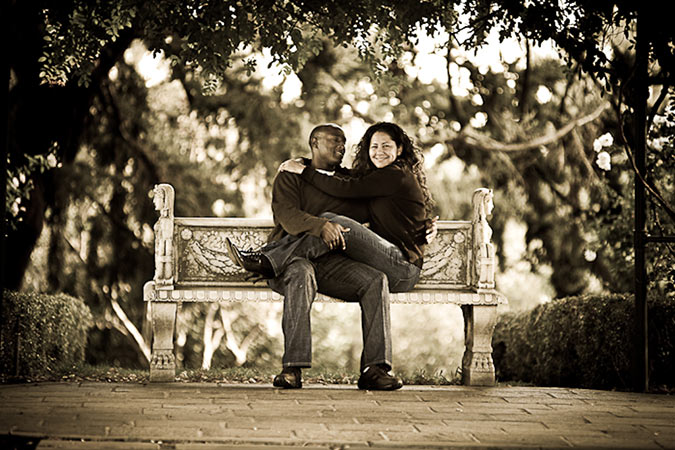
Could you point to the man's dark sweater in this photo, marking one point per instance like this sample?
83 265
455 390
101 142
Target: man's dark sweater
296 205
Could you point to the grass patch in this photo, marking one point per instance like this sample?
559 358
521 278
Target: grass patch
244 375
82 372
421 377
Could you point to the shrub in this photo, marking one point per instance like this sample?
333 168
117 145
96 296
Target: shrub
41 332
584 342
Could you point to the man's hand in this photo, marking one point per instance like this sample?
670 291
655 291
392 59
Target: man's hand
293 166
432 230
331 233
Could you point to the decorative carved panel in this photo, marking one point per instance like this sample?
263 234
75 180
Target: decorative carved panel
446 259
202 254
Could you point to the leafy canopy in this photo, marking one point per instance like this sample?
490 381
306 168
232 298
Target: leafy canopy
211 33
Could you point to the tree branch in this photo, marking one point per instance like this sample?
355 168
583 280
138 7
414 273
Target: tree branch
456 106
506 160
238 350
473 139
568 87
339 90
129 325
523 102
117 222
657 105
641 178
211 339
116 307
142 154
578 148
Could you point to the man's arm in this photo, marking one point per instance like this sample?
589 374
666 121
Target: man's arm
287 207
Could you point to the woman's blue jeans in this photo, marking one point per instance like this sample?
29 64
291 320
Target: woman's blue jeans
362 245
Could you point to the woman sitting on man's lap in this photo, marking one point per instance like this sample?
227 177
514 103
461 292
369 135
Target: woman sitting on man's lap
388 172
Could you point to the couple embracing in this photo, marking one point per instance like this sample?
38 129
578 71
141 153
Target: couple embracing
319 242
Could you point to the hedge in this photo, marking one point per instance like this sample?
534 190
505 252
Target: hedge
585 342
41 332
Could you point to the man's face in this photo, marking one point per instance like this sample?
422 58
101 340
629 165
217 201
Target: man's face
328 149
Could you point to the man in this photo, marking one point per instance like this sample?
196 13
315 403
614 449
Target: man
296 206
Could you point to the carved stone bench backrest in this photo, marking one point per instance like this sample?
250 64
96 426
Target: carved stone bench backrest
191 252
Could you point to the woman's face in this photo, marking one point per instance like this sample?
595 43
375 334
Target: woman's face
383 150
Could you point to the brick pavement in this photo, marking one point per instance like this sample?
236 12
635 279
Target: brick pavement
208 416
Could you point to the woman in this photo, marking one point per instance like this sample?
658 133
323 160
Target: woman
388 172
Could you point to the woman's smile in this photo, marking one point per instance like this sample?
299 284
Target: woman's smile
383 150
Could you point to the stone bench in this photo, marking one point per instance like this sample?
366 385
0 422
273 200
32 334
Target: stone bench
192 265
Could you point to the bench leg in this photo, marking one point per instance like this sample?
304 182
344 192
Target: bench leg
163 361
477 366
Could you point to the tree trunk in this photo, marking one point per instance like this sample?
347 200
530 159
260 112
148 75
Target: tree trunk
40 116
4 114
641 95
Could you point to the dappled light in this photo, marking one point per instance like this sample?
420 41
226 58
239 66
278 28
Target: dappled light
140 97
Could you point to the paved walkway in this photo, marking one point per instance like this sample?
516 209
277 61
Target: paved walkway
211 416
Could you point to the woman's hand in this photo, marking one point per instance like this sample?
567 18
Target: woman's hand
293 166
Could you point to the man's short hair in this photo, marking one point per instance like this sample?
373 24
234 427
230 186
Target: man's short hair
324 127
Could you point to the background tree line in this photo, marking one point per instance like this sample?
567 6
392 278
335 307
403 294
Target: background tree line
89 137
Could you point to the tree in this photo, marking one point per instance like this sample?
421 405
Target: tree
112 146
70 47
585 30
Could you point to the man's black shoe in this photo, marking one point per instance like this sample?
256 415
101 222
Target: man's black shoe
377 378
252 261
289 378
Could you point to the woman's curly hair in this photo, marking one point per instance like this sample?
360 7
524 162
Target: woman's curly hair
410 157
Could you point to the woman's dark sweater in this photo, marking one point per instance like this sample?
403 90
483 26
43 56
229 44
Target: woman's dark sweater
396 204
